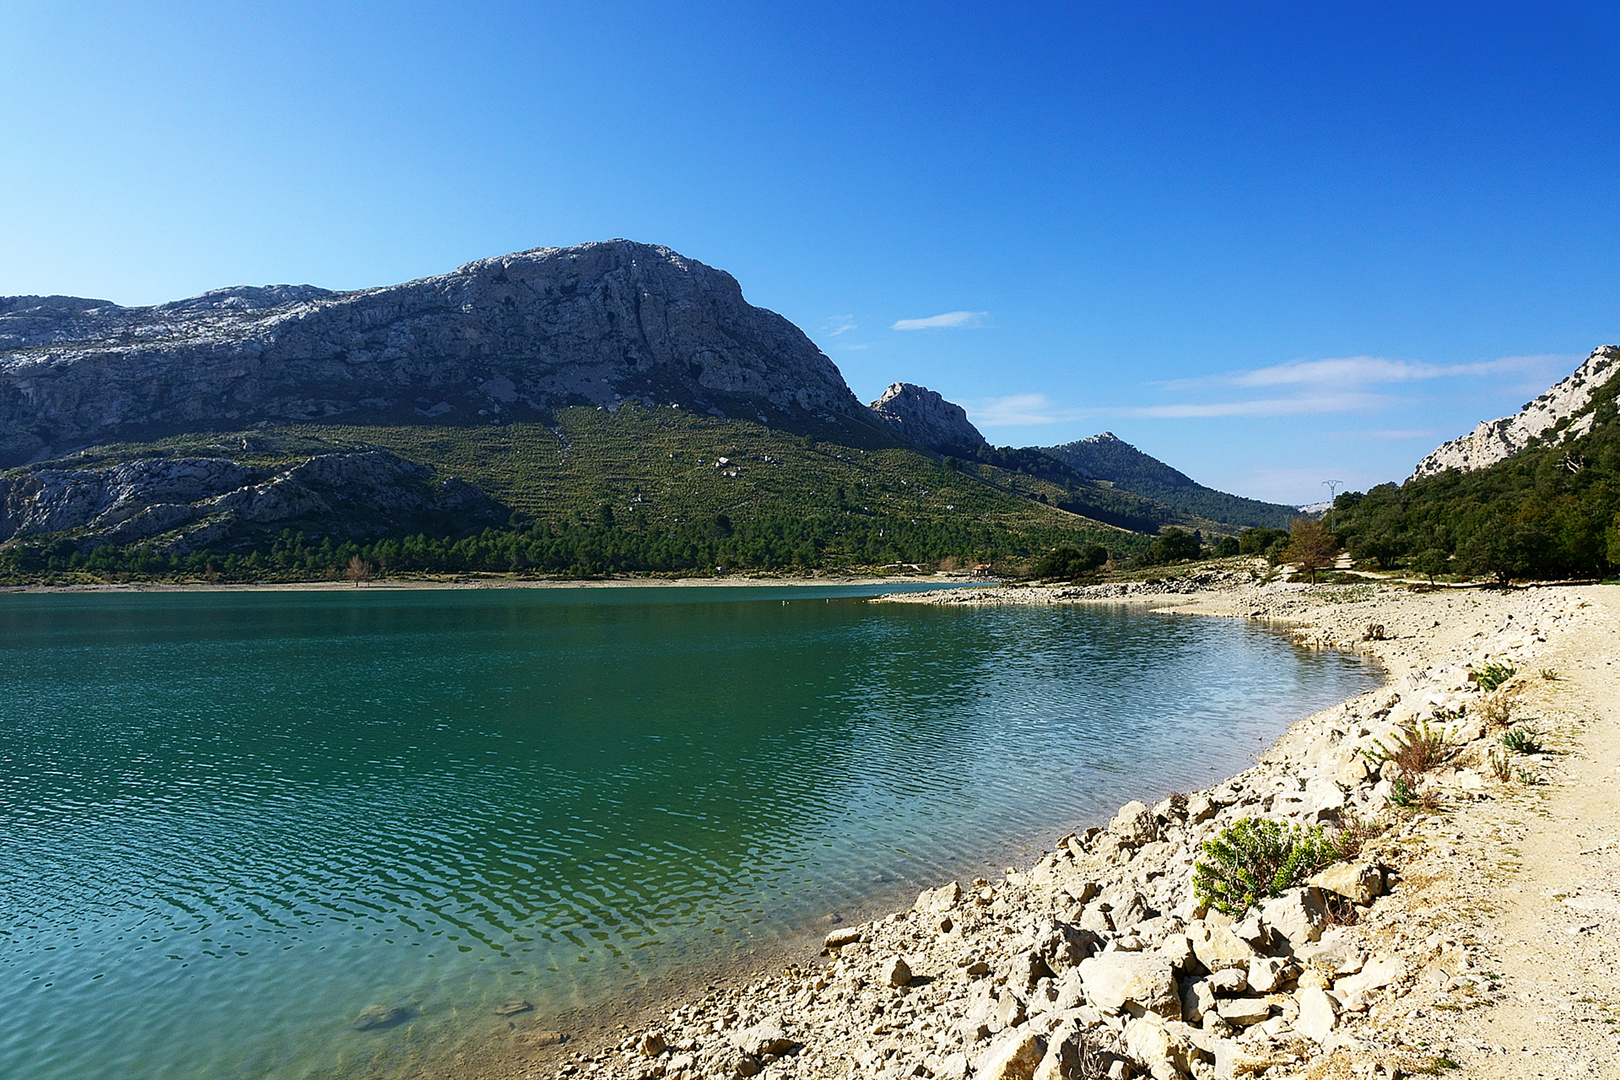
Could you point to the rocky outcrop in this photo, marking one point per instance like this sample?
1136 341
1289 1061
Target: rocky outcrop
1498 440
189 503
927 419
493 340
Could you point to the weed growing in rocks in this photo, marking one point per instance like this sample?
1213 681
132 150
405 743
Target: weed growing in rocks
1493 675
1549 675
1356 831
1522 741
1500 764
1496 711
1414 750
1256 858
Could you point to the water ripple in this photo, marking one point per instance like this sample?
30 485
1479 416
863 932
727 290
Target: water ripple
256 815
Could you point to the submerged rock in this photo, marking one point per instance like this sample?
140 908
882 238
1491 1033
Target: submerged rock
381 1016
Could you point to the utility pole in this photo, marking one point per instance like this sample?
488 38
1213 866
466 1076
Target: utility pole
1331 485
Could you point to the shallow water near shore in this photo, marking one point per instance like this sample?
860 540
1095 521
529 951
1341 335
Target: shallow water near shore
233 822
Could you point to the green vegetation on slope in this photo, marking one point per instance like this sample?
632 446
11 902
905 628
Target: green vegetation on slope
1126 467
1549 511
636 490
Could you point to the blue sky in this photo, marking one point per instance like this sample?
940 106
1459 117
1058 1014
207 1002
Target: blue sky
1270 246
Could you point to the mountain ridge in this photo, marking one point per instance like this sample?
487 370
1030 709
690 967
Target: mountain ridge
1561 411
1106 456
519 334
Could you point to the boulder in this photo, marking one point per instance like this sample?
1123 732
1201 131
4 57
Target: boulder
939 900
896 972
1267 973
761 1039
1131 982
1297 916
1061 945
1134 824
1013 1056
1359 883
1376 974
848 935
1217 947
652 1044
1151 1045
1243 1011
1317 1013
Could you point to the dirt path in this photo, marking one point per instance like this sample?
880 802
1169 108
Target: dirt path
1553 930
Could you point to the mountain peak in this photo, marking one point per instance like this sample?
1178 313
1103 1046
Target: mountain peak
496 339
927 419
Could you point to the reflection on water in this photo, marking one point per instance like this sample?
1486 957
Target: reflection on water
233 822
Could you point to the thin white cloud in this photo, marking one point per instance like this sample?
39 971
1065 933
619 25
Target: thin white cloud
951 320
1294 406
838 324
848 347
1365 370
1385 435
1025 410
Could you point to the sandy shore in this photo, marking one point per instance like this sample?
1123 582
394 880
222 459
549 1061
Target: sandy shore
1473 929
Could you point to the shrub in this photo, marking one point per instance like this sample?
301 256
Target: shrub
1431 563
1501 767
1522 741
1068 561
1493 675
1257 858
1415 750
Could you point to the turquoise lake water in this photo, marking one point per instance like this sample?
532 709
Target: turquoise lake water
233 821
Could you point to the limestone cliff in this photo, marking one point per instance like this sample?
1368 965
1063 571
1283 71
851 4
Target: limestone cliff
927 419
502 338
1497 440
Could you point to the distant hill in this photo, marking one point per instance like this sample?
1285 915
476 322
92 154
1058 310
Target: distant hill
1534 495
1108 457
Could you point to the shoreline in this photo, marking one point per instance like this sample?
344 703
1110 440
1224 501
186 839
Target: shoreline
825 1016
940 580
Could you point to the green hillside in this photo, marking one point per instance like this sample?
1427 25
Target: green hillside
1550 511
644 489
1123 465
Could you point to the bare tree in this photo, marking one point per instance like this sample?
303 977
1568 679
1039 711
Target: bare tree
359 570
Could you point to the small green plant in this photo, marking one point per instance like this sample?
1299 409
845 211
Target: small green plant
1257 858
1549 675
1527 777
1500 765
1493 675
1355 833
1522 741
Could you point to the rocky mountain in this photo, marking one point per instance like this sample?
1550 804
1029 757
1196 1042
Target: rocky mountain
203 502
927 419
1108 457
1553 415
490 342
